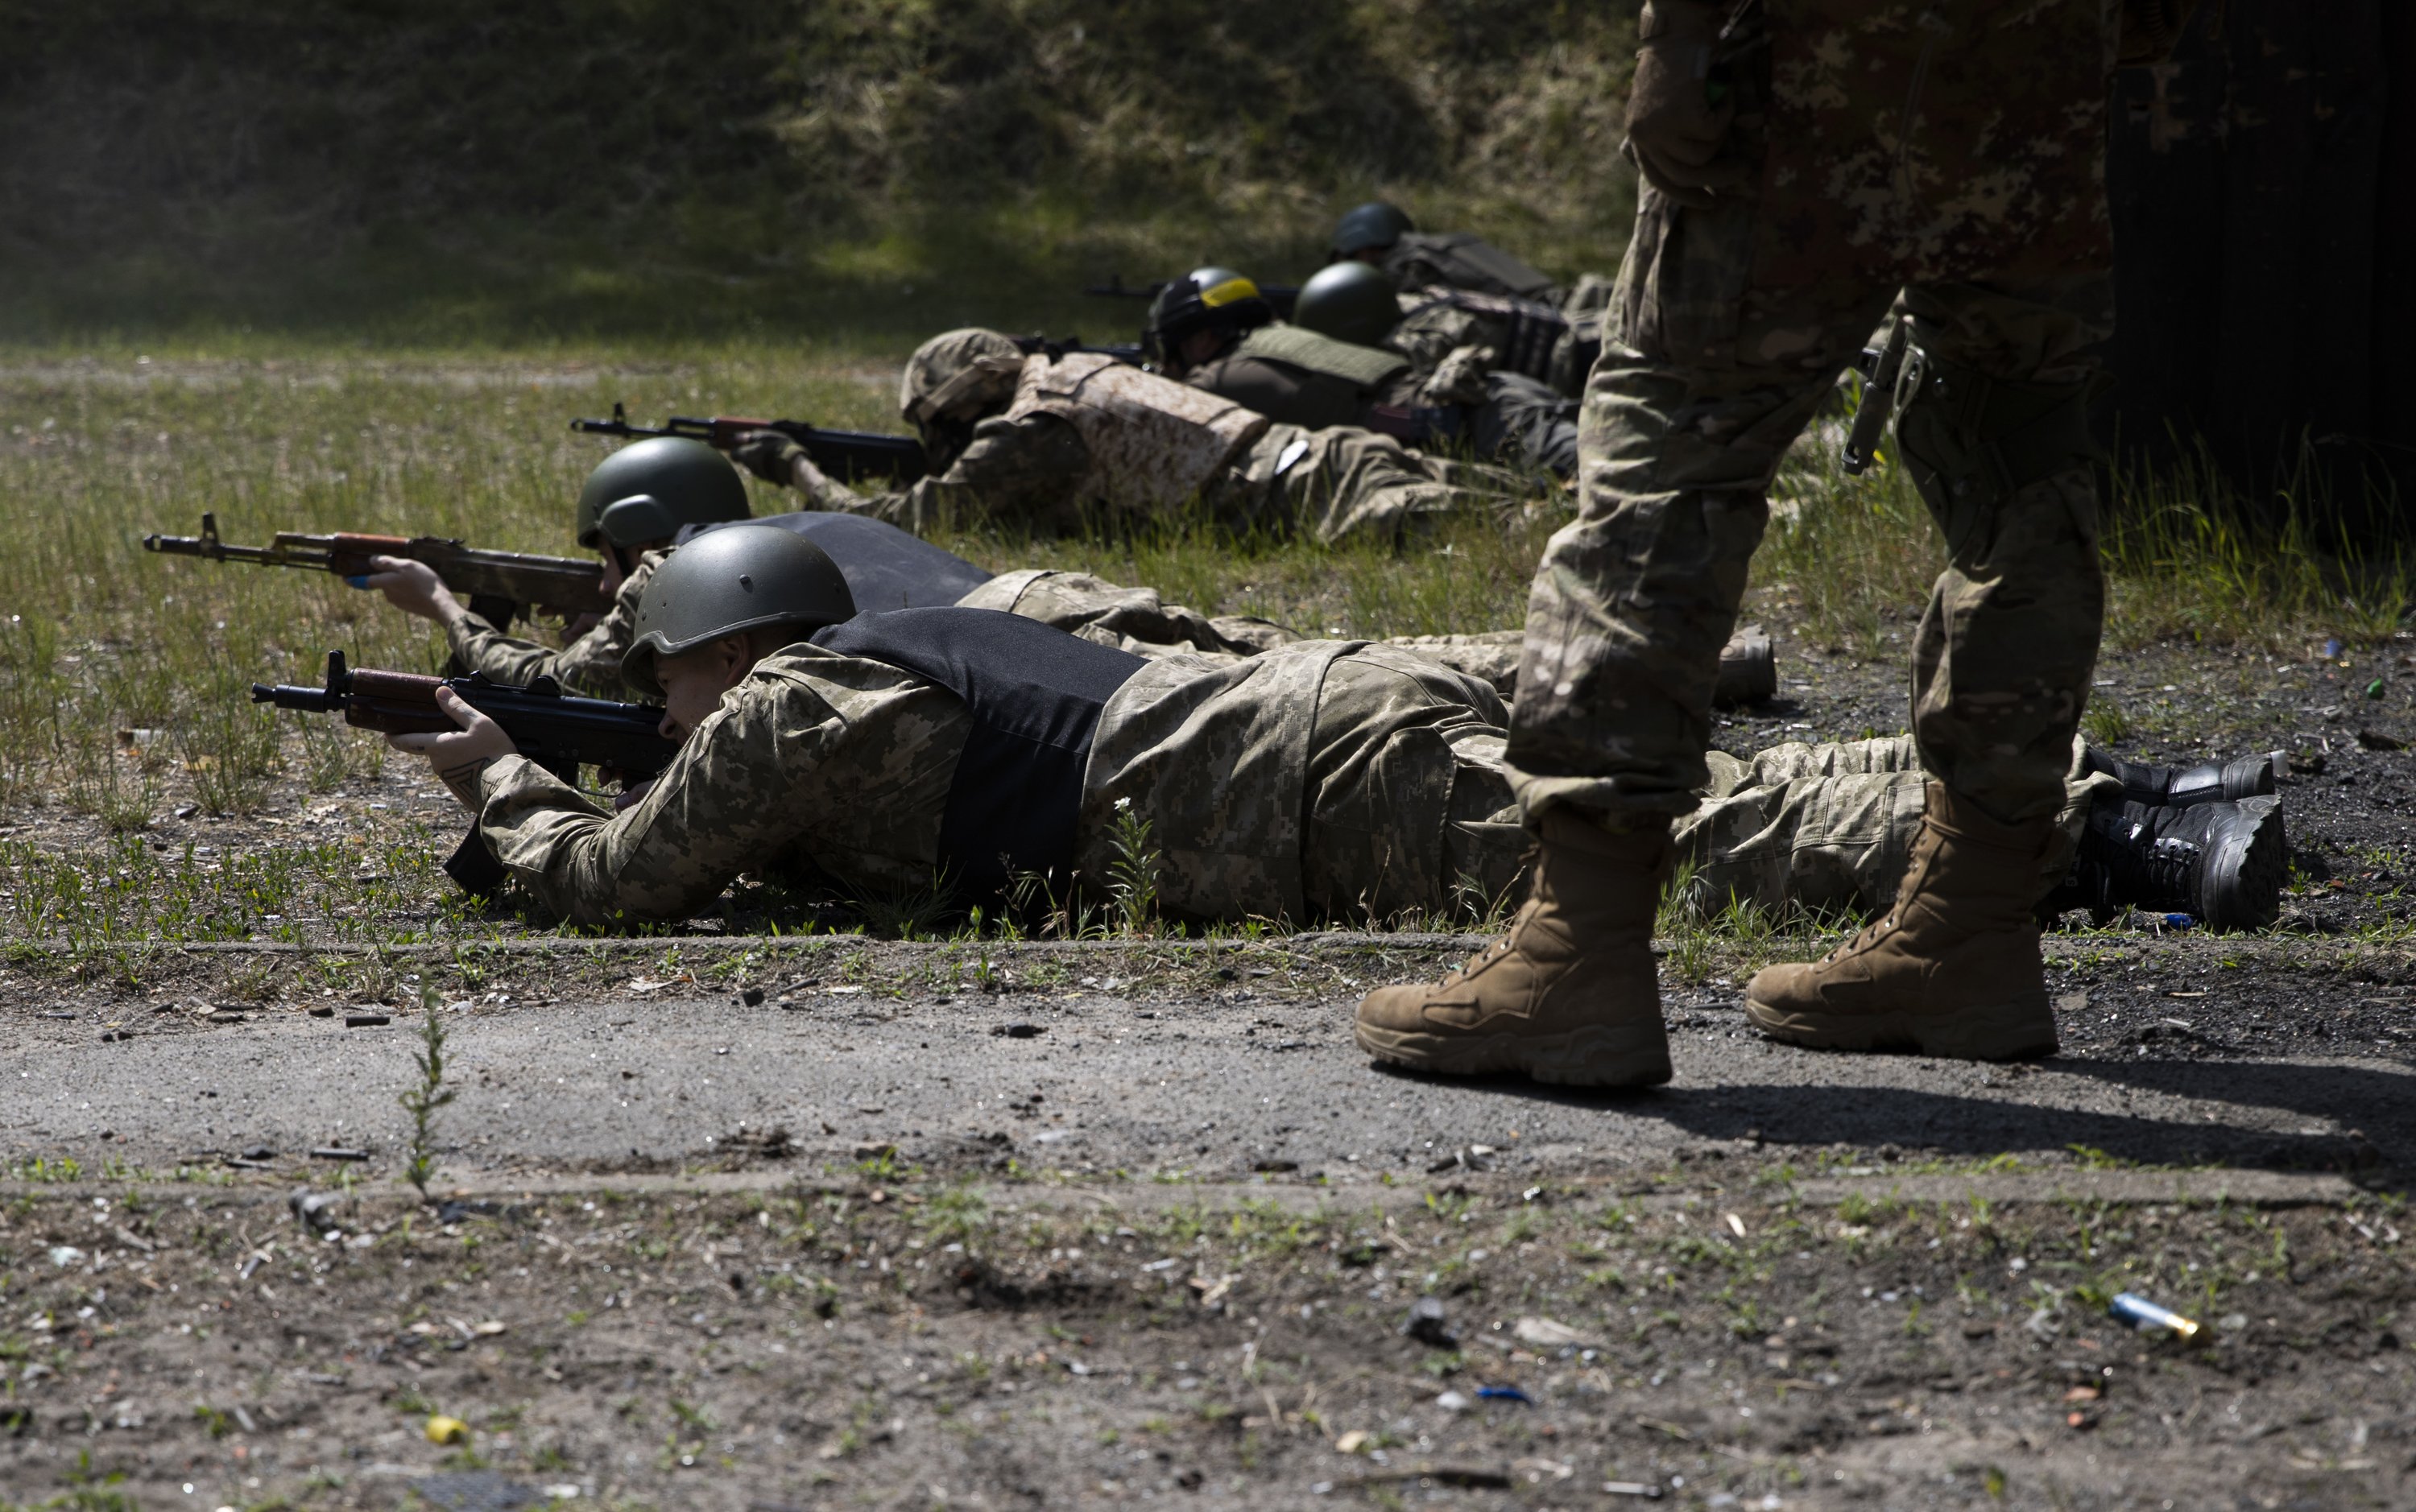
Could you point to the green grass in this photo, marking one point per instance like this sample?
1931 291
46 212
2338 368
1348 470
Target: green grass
124 675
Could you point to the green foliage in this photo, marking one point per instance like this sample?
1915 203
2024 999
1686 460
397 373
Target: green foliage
1133 874
426 1095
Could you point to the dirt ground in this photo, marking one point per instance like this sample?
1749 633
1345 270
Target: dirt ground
755 1224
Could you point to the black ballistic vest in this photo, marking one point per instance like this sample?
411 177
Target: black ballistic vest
1035 693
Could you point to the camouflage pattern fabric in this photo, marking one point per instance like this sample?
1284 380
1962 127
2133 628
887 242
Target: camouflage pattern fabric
1962 139
816 764
1827 829
1710 374
837 769
1151 443
1342 481
1133 620
589 665
1028 470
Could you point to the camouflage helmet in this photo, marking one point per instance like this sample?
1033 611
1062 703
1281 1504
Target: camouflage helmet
958 375
726 582
648 490
1348 302
1371 226
1205 299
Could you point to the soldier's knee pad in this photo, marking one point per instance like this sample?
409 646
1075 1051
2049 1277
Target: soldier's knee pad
1973 442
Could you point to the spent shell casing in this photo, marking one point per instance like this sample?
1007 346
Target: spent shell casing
2143 1314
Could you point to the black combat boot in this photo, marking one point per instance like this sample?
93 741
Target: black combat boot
2221 862
2181 786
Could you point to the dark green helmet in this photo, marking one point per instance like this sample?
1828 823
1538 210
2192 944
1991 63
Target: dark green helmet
726 583
647 491
1205 299
1348 302
1371 226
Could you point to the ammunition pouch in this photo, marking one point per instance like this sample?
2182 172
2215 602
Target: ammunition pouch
1973 442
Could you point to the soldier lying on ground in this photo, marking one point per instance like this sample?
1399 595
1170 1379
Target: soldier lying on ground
645 498
1213 330
1383 236
1054 442
1323 779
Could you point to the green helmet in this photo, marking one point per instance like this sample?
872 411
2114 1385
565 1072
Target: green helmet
957 376
1371 226
726 582
647 491
1348 302
1205 299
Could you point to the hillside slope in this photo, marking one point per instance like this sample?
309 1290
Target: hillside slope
454 171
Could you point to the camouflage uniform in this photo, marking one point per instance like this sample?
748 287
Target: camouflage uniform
1326 779
1083 432
1319 780
1302 378
1732 325
589 665
1827 829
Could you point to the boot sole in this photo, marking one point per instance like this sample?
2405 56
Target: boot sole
2245 867
2004 1031
1591 1056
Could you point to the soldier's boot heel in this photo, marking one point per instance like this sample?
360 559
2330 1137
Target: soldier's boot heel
1951 969
1569 995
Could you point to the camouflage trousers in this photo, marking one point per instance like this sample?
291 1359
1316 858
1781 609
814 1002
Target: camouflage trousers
1686 418
1827 829
1344 481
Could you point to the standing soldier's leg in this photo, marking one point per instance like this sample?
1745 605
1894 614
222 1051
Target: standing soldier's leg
1686 418
1993 432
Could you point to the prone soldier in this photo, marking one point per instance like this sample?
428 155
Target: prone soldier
961 747
1047 440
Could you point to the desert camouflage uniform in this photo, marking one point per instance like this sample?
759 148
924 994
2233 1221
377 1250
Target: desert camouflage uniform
1326 779
1732 325
1086 433
589 665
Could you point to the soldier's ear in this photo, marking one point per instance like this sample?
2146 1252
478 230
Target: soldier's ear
734 656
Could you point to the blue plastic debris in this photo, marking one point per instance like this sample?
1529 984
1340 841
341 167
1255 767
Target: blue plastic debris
2331 648
1503 1394
2180 922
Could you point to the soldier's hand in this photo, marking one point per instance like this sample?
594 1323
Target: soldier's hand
410 586
768 454
458 757
1675 128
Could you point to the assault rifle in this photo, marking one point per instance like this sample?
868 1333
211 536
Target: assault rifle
844 455
1052 349
1281 295
501 584
546 725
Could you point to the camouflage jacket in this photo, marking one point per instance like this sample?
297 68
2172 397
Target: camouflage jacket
839 768
590 665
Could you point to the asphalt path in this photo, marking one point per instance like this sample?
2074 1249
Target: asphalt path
1094 1084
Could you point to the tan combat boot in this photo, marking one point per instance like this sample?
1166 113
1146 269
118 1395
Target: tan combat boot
1954 967
1569 995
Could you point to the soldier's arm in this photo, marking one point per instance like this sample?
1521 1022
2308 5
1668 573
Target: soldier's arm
1022 469
735 795
589 665
850 769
